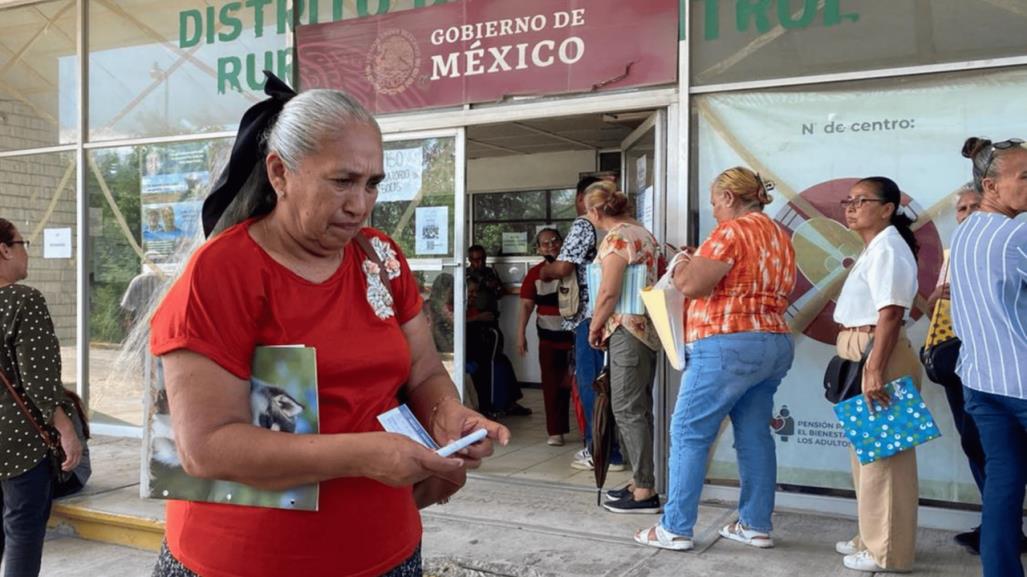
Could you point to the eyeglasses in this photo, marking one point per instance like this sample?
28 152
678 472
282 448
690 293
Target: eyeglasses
1004 145
14 242
857 203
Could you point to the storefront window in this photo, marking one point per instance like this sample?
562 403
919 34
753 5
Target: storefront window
416 202
505 223
38 75
158 69
144 204
37 194
814 143
741 40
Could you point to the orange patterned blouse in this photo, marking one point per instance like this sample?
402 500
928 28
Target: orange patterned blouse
753 296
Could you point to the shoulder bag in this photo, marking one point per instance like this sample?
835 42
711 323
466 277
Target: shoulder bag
568 292
843 378
48 433
940 352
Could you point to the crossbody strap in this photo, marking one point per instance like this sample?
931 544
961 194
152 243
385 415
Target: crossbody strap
372 255
23 405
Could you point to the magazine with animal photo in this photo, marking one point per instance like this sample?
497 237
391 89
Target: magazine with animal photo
283 398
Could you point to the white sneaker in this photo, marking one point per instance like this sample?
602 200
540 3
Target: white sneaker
583 461
864 561
737 532
846 547
555 441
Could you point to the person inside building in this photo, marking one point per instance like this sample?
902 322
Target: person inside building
292 263
871 311
493 373
578 251
989 314
30 362
554 343
739 349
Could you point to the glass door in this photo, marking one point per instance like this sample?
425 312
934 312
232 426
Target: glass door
421 206
643 178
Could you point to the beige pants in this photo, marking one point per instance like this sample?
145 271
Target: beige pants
887 491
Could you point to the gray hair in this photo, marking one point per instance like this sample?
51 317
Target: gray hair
308 118
297 133
967 188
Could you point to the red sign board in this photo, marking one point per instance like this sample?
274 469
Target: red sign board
487 50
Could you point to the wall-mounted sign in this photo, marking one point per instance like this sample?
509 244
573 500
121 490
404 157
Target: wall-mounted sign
56 243
478 51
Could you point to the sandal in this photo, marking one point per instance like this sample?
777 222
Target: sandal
737 532
657 536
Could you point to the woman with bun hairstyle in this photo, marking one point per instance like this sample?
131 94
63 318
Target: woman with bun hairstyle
630 339
871 311
738 348
988 264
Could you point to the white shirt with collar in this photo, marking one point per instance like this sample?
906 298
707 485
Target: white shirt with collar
885 274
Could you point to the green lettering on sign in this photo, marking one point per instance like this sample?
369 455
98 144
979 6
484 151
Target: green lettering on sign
763 15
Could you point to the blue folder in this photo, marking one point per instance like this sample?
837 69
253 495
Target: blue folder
906 423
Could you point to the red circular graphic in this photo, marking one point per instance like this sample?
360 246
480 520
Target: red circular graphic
825 248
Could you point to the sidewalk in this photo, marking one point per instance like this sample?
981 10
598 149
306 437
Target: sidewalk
502 526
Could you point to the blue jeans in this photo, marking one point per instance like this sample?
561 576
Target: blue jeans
732 375
26 507
588 362
1002 422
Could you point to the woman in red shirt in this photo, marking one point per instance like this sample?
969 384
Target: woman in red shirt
293 272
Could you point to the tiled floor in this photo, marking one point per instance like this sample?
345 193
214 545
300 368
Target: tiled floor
528 457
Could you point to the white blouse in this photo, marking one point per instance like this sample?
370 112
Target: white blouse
884 275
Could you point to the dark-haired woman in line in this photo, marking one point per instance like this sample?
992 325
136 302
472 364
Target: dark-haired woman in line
872 308
988 264
30 357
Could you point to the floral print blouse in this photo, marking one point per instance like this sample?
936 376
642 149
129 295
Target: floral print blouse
637 246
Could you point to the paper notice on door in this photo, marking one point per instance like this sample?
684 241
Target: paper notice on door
403 169
57 243
644 208
431 230
515 243
641 168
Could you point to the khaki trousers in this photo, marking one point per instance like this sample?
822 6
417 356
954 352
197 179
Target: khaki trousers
887 491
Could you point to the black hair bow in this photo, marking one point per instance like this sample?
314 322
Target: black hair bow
247 150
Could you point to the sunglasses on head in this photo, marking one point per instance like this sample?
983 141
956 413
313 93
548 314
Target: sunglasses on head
1004 145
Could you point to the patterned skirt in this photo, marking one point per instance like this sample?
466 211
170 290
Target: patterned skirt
168 566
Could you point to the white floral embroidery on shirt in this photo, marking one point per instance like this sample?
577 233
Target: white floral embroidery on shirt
378 295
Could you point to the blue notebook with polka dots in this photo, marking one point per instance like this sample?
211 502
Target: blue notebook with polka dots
883 432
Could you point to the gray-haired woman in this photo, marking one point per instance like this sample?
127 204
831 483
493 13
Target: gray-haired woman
989 315
298 270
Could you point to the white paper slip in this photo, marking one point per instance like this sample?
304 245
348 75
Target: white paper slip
461 444
400 420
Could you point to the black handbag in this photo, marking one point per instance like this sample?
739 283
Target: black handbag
940 361
843 378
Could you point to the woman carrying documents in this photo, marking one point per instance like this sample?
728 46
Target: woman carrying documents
871 308
627 261
738 351
293 264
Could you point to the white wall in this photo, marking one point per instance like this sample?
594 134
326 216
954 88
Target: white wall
522 172
527 171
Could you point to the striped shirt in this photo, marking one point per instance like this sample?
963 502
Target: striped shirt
753 295
547 317
989 303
